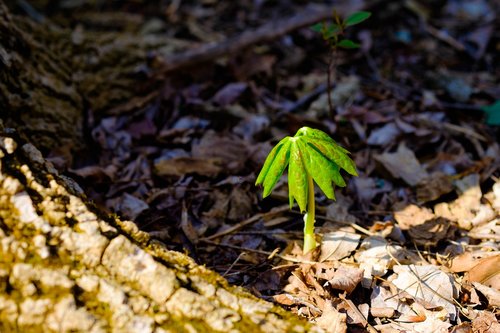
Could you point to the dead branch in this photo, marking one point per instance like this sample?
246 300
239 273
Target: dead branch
268 32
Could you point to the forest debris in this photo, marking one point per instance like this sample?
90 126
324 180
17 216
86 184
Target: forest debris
388 229
229 93
346 278
433 187
403 164
496 196
355 314
128 205
384 135
423 226
491 294
338 244
230 151
466 261
376 256
423 320
427 283
368 187
331 320
485 322
275 29
338 210
487 272
431 231
384 302
180 166
412 215
249 126
346 90
464 209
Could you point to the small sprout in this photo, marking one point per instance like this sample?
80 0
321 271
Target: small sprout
312 157
333 34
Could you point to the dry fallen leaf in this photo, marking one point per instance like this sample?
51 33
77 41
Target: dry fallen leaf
427 283
433 187
485 322
331 320
464 209
229 150
180 166
382 301
338 244
285 299
128 205
423 226
338 209
423 320
403 164
491 294
487 272
376 256
346 278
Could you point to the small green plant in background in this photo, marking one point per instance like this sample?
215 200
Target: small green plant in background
312 157
333 34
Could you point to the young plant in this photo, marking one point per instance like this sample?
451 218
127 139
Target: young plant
333 35
311 156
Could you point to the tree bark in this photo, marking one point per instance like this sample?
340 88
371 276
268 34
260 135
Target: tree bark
66 267
37 94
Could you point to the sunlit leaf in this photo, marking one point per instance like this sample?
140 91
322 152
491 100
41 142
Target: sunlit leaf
297 177
274 166
321 169
320 141
356 18
310 152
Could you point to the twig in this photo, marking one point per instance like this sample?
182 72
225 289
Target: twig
266 253
251 220
483 236
268 32
354 225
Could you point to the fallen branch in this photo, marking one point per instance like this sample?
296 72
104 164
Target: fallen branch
268 32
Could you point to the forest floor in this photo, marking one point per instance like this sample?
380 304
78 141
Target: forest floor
411 244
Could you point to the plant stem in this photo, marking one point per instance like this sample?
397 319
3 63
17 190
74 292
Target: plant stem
332 63
309 240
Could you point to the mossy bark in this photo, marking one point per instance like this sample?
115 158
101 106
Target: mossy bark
64 267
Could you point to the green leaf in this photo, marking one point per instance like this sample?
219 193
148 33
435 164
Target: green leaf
318 27
322 142
330 31
356 18
297 178
274 166
321 169
310 152
492 113
348 44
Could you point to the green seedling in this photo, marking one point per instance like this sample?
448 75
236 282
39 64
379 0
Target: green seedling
312 157
333 35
